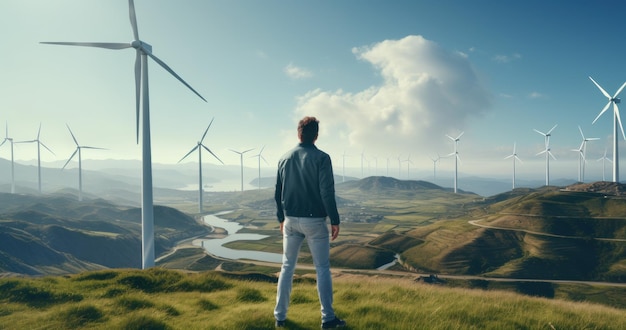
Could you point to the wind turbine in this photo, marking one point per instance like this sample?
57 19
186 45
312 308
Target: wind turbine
616 120
408 164
456 158
199 147
604 159
7 138
362 159
435 160
80 164
514 156
583 153
343 167
241 161
259 156
39 144
142 97
547 151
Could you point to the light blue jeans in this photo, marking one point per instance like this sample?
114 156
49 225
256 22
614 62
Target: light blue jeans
315 230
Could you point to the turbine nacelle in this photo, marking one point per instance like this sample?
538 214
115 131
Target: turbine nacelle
140 45
615 100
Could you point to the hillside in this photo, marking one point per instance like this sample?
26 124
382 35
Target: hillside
166 299
56 234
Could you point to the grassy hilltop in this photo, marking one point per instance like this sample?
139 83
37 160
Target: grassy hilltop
168 299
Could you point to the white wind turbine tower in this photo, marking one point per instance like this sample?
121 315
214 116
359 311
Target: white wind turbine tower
80 162
39 144
142 96
616 120
547 151
260 156
456 158
362 159
7 138
399 166
199 147
583 155
514 156
408 164
604 158
241 162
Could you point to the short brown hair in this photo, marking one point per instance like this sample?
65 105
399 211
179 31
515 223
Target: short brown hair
308 128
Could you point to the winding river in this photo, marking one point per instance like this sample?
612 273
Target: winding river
214 246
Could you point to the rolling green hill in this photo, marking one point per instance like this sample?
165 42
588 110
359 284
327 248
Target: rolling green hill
55 234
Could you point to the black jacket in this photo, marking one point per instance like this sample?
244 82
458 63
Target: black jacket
305 186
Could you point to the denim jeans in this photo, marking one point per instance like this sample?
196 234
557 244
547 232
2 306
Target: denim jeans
315 230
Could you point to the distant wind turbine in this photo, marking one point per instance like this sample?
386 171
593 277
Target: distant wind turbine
362 160
7 138
616 120
547 152
604 158
456 158
241 161
80 162
199 147
260 156
142 97
39 144
514 156
399 166
408 164
582 159
435 161
343 167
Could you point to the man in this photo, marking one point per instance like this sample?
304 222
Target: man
305 196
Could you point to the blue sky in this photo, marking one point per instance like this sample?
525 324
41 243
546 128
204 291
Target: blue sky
386 79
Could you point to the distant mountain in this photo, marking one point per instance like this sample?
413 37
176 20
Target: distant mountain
383 183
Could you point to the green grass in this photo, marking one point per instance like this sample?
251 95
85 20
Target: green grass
168 299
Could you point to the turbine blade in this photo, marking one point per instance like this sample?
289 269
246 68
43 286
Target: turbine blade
38 131
601 112
73 137
458 137
619 90
137 90
88 147
581 132
211 152
168 69
133 18
449 137
601 89
189 153
46 147
520 160
540 132
107 45
207 129
68 161
552 129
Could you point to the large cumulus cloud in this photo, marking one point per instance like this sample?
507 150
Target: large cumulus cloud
425 92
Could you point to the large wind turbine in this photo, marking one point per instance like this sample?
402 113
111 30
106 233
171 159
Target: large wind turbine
142 97
80 164
456 158
514 156
260 156
7 138
547 151
39 144
199 147
582 158
241 162
616 120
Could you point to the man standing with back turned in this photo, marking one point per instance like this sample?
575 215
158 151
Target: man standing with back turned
305 196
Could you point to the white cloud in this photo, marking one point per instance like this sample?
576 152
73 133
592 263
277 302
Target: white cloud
426 93
535 95
295 72
507 58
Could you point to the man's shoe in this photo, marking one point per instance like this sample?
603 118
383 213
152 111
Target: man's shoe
280 324
336 323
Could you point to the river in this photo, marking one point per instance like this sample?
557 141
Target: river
214 246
